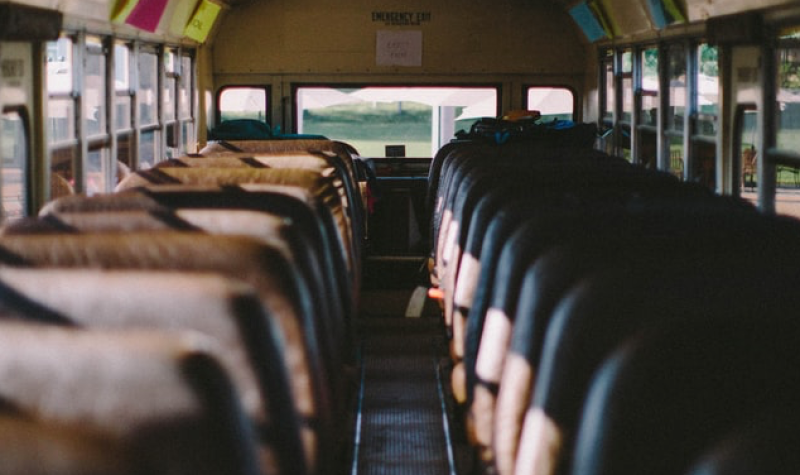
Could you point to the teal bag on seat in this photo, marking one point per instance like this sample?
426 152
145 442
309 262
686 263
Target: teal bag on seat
251 129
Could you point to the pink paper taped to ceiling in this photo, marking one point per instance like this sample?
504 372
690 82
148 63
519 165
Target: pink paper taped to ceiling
146 15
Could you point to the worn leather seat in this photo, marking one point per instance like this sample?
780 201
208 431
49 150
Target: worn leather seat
228 312
322 187
270 229
324 163
315 384
160 401
301 207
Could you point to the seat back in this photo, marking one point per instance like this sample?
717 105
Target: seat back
163 398
247 342
280 290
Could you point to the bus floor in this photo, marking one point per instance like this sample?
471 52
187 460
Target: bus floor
404 422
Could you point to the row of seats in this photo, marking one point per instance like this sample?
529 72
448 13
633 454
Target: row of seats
607 319
198 320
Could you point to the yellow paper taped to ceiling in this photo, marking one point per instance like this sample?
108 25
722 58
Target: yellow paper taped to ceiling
122 9
202 21
674 11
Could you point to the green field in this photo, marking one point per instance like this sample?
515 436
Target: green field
370 134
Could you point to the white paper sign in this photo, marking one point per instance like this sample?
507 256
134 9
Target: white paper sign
398 48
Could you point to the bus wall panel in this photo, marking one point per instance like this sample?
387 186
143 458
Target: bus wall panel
699 10
313 36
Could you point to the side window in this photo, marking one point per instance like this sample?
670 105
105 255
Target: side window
123 102
61 116
676 110
648 91
607 99
15 158
186 102
707 90
649 87
704 118
626 113
95 113
788 87
626 84
150 137
787 123
607 89
551 102
242 102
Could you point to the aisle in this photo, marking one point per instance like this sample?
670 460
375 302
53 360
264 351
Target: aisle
402 428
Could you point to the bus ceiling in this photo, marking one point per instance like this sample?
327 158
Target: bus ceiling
600 20
25 23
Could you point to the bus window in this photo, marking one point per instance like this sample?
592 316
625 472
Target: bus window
421 119
745 151
150 138
14 156
607 91
122 85
707 90
704 120
788 125
552 102
607 99
186 102
239 102
788 122
676 73
148 88
122 102
649 87
61 116
94 104
626 88
648 113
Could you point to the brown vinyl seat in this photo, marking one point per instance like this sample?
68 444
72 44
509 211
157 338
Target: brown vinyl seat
301 207
340 149
327 191
298 160
343 157
246 341
270 229
162 399
274 278
29 446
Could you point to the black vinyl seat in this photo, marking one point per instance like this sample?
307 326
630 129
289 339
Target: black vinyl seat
600 314
764 443
668 394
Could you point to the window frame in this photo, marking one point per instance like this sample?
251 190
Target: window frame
267 100
575 107
80 147
27 168
295 87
